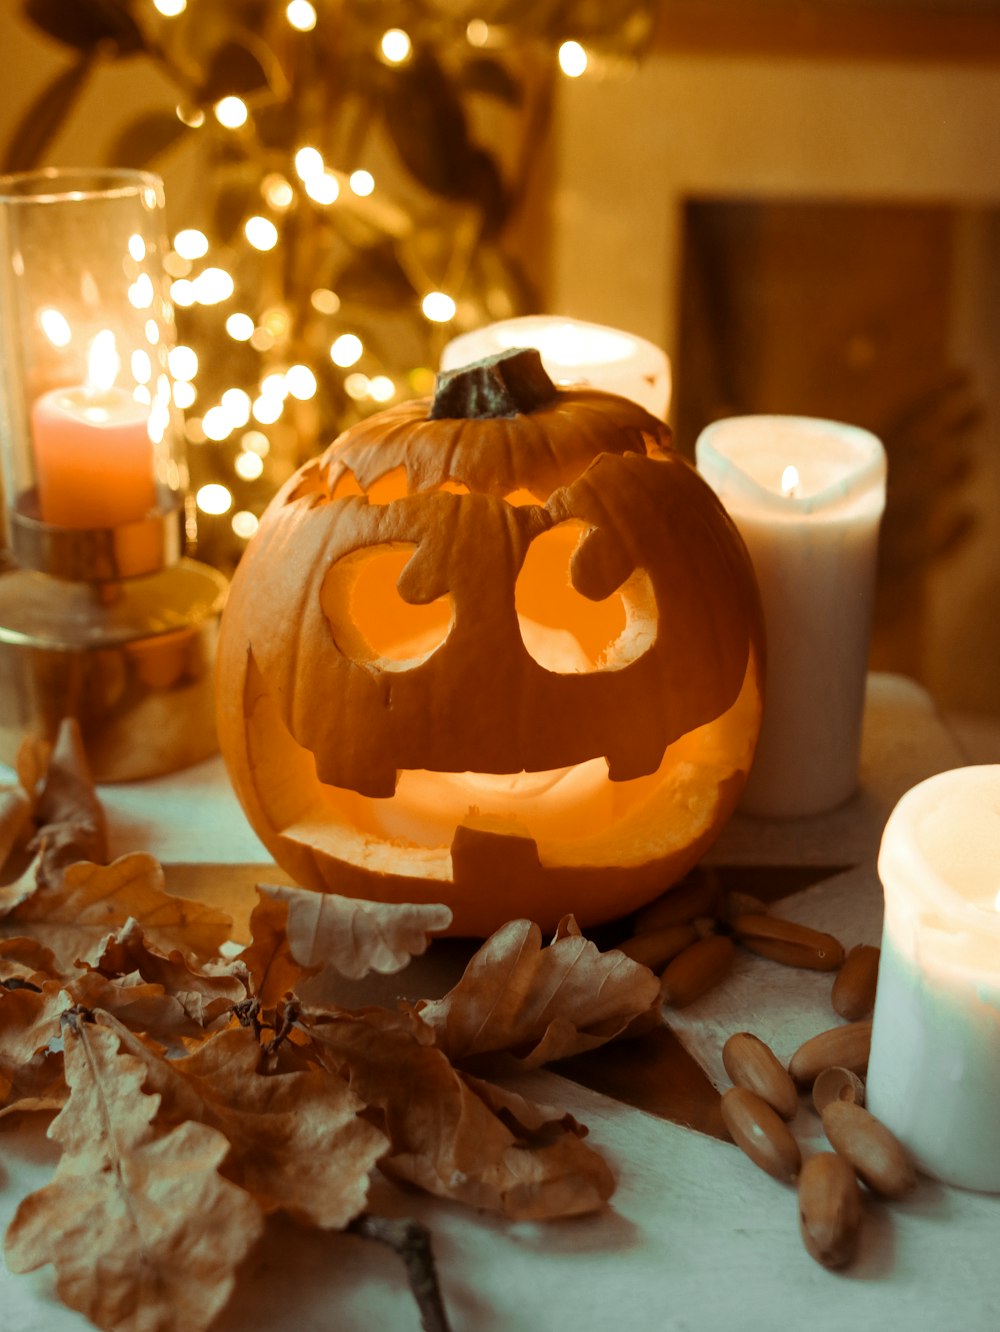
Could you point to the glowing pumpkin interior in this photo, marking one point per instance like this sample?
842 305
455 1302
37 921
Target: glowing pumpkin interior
511 664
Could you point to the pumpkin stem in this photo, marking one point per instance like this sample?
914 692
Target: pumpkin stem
509 383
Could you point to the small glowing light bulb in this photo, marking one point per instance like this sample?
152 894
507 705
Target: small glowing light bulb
191 243
572 59
301 15
213 498
213 285
248 466
277 191
231 112
245 523
301 382
240 327
261 232
323 188
396 46
438 306
346 350
308 163
183 362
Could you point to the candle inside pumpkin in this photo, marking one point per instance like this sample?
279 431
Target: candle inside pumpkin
93 453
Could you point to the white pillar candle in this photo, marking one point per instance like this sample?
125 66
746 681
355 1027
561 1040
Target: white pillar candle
934 1070
575 352
807 496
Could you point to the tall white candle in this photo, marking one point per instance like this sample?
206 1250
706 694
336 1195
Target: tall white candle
807 496
576 352
934 1070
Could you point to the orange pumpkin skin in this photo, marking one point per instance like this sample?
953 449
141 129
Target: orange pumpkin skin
371 763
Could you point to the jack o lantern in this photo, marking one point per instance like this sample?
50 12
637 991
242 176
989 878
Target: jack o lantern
502 650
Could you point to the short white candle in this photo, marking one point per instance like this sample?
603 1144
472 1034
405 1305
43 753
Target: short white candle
807 496
576 352
934 1070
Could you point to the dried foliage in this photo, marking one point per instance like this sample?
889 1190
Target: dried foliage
70 815
539 1004
354 937
198 1092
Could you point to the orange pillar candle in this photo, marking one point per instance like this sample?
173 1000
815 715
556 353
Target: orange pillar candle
93 453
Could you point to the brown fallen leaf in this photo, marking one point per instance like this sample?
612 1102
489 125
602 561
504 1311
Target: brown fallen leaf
71 819
273 969
354 937
15 817
24 957
454 1136
46 1104
75 915
297 1140
536 1003
204 992
29 1024
144 1233
32 763
17 800
138 1004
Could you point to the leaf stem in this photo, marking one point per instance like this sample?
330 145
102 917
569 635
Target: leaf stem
411 1240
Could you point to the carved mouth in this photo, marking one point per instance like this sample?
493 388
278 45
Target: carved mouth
574 815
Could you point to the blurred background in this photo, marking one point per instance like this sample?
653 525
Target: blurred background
798 199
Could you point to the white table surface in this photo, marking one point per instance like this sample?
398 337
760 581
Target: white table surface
696 1238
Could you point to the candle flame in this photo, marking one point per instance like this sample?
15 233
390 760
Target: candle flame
103 362
996 901
789 481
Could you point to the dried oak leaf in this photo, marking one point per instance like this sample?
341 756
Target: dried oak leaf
297 1140
25 958
204 993
355 937
536 1003
272 968
458 1137
71 819
140 1005
74 916
29 1025
45 1104
18 799
144 1233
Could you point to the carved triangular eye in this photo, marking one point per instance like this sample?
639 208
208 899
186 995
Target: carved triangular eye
371 622
569 633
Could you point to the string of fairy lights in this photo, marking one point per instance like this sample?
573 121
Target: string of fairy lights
245 399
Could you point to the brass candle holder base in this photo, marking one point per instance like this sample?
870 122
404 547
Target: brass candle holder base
132 660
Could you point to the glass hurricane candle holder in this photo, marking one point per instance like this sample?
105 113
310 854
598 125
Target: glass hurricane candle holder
102 617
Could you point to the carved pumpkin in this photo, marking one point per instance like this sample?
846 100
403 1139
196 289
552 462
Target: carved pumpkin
501 651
